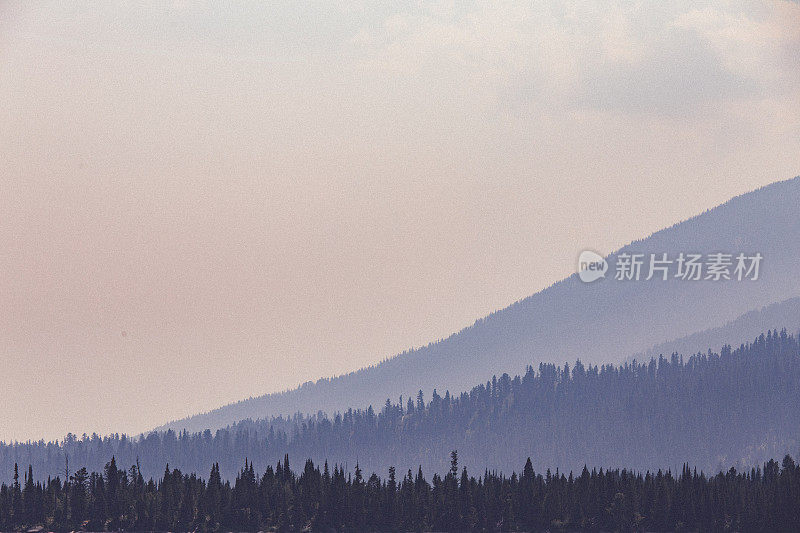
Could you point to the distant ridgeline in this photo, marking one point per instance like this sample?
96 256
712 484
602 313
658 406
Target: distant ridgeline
738 407
316 499
601 322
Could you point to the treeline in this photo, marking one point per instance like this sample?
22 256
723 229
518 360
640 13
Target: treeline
736 408
763 499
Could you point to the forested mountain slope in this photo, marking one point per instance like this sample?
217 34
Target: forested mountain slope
603 321
737 408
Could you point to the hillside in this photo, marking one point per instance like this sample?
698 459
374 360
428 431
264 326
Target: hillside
599 322
736 407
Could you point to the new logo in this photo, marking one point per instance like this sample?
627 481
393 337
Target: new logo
591 266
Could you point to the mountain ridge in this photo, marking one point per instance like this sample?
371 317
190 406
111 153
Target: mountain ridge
541 326
785 314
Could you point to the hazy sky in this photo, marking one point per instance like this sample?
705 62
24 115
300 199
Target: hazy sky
200 203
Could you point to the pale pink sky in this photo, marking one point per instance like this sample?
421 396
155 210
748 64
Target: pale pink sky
201 203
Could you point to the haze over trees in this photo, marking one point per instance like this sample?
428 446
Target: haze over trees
737 407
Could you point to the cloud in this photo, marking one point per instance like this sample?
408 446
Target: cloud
763 46
639 58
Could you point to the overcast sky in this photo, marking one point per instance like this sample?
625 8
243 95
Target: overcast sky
201 203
